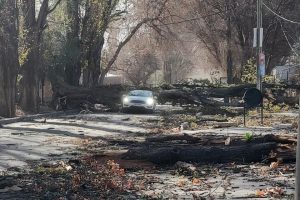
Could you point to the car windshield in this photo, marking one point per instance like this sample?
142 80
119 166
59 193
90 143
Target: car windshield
140 93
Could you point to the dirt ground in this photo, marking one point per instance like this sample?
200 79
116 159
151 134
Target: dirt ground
78 157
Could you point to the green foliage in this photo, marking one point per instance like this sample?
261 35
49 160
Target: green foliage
276 108
190 119
270 79
248 137
50 170
200 83
249 72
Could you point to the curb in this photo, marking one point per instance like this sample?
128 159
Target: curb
37 116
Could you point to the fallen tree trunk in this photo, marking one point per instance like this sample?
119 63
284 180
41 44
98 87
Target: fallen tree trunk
76 96
202 154
217 140
111 95
180 137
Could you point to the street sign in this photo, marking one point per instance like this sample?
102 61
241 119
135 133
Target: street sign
252 98
261 37
255 37
262 58
262 65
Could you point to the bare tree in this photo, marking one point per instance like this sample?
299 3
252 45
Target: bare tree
154 12
140 67
231 23
176 67
9 62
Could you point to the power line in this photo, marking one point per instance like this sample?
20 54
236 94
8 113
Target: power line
295 52
288 20
200 17
189 20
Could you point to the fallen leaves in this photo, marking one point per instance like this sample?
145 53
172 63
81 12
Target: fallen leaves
196 181
115 168
181 183
274 165
270 192
76 179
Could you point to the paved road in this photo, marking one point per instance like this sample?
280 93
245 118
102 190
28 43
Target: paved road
24 141
59 138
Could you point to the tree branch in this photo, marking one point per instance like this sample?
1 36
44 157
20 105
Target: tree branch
41 20
123 43
54 7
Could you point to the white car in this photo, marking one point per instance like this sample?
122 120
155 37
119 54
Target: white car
140 99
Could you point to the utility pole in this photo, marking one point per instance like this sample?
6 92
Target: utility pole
258 43
297 181
260 63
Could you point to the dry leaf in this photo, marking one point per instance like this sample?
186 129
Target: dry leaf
227 141
197 181
274 165
261 193
68 168
181 183
275 192
129 184
272 192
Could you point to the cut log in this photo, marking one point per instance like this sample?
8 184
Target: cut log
201 154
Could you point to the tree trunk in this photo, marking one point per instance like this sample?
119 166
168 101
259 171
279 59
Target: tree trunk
229 49
29 88
93 71
73 69
201 154
102 78
90 77
76 96
33 29
9 62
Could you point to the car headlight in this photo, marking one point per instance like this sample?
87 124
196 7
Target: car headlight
150 101
125 100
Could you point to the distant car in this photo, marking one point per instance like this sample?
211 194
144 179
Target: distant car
139 99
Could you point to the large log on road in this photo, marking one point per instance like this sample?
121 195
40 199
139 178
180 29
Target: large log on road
202 154
111 95
107 95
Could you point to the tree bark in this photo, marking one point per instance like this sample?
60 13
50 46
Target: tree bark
31 69
9 61
229 45
73 68
76 96
111 95
29 88
202 154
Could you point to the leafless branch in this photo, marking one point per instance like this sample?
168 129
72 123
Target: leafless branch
54 6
